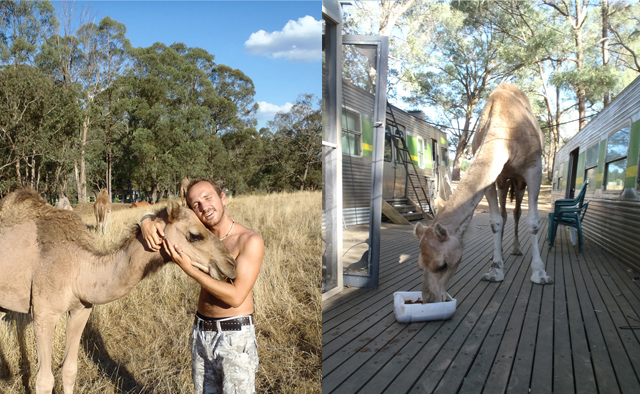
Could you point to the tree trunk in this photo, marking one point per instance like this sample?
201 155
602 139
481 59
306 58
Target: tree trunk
463 141
109 159
580 92
83 169
18 177
75 169
33 169
605 45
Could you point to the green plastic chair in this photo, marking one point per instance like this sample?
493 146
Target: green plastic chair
569 212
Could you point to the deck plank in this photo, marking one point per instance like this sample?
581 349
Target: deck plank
511 337
457 283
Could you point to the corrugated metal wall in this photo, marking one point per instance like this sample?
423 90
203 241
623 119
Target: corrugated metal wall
356 171
614 226
613 219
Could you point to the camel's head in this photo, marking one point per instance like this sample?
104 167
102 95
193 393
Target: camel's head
185 229
440 254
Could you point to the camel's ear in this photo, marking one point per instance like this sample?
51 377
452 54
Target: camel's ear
418 230
173 211
441 232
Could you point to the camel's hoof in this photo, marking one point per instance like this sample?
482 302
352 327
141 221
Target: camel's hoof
542 280
516 252
493 277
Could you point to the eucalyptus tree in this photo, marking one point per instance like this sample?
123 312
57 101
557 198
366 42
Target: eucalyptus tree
296 160
24 27
87 60
169 117
233 104
463 66
35 122
623 28
104 48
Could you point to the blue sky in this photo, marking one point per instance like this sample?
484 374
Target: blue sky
273 42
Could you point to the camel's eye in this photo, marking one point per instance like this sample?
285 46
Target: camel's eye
443 267
195 237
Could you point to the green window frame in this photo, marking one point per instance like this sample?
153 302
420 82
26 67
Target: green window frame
351 133
591 166
421 162
615 168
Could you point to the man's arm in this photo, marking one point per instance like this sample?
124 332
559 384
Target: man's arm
248 265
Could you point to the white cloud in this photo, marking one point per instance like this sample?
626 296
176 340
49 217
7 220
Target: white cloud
267 111
298 41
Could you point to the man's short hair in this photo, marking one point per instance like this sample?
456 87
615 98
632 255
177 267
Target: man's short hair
217 188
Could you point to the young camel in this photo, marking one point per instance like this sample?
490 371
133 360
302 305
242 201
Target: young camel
49 267
184 185
508 148
102 209
63 203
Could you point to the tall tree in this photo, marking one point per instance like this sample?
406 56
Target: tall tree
104 49
297 138
24 27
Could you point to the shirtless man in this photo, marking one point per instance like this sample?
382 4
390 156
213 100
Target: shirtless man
223 342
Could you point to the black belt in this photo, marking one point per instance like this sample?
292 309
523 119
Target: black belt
226 324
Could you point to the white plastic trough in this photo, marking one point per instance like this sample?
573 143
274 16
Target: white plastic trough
407 313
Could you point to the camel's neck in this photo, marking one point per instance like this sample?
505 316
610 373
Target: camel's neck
112 276
458 211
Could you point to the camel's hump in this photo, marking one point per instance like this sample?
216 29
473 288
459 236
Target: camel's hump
54 225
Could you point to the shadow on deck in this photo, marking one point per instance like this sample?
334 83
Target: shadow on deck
578 335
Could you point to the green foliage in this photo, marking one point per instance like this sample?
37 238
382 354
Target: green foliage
134 118
450 56
296 146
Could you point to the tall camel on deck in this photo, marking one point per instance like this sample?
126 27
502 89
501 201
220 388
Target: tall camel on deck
49 267
102 209
508 148
184 185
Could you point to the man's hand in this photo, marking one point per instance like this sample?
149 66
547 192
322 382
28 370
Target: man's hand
153 234
179 257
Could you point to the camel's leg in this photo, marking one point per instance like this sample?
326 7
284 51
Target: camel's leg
496 272
75 325
503 190
533 178
44 325
520 188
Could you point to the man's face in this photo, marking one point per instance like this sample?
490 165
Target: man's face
207 205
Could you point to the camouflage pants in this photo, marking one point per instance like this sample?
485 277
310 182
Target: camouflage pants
224 362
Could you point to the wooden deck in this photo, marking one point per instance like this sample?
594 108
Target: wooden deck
579 335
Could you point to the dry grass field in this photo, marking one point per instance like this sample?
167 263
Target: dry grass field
139 344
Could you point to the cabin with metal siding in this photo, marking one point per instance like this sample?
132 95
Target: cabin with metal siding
357 107
607 152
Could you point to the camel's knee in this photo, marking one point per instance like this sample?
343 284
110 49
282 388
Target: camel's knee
69 373
496 224
44 382
534 225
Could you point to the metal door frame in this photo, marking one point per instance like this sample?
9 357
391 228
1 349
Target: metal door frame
377 160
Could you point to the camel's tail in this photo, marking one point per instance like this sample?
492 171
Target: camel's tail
512 191
101 213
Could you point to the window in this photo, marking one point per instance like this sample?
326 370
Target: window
591 166
616 160
445 157
351 133
420 152
557 176
388 146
